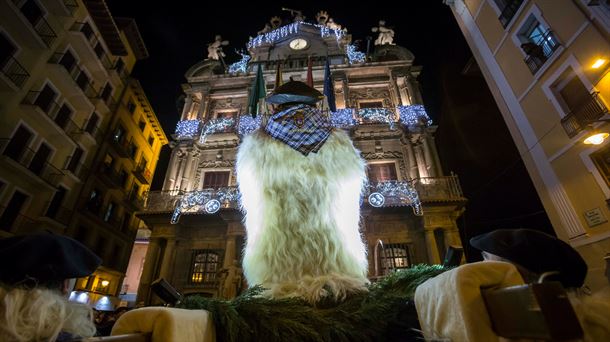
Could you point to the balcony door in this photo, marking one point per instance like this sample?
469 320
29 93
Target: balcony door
12 210
7 50
216 179
40 159
381 172
18 143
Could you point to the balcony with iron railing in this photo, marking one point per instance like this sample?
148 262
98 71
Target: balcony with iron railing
71 5
591 109
110 176
15 72
39 24
93 41
32 161
539 52
59 214
509 11
53 110
412 193
14 222
78 169
121 145
142 173
133 200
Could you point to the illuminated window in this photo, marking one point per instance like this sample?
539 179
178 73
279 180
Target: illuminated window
393 256
205 265
601 159
381 172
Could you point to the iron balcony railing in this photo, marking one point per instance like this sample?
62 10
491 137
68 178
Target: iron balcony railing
439 189
538 53
292 63
77 168
71 5
15 72
11 222
78 76
31 161
591 109
509 11
52 110
121 146
93 41
134 200
113 178
40 25
142 173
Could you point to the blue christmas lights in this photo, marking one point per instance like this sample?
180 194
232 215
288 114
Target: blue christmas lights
414 115
215 126
354 56
282 32
208 201
247 124
381 115
187 129
343 118
241 65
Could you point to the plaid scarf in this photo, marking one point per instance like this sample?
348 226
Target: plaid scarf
302 127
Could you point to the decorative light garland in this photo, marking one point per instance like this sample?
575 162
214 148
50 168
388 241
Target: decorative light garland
240 66
398 193
383 115
247 124
208 201
215 126
343 118
354 56
414 115
187 129
282 32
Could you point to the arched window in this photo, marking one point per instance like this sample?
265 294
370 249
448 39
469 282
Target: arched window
204 267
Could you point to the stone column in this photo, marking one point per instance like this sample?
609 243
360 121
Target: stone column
394 85
229 251
186 110
412 96
433 256
434 151
403 91
167 263
150 265
413 172
432 172
421 161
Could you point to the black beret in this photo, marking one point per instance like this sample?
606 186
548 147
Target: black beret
536 251
295 92
44 259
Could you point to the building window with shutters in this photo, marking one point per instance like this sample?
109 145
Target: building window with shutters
204 266
381 172
216 179
601 159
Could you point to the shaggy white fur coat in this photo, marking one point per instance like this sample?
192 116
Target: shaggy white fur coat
302 217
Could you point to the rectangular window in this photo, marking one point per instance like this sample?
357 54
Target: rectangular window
601 159
124 177
110 209
63 116
56 202
32 12
142 125
151 140
216 179
381 172
13 210
75 160
204 266
87 30
46 99
39 162
119 65
82 80
99 50
119 134
68 61
18 144
393 256
131 106
91 126
537 42
508 9
7 51
133 150
94 202
106 92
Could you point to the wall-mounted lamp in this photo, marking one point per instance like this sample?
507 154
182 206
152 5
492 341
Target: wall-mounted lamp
105 283
599 63
596 137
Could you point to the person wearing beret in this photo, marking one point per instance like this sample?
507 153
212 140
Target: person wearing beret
37 273
535 253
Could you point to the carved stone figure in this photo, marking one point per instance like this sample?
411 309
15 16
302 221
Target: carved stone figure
215 48
386 35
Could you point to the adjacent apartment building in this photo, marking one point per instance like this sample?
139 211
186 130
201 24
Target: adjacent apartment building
64 93
547 64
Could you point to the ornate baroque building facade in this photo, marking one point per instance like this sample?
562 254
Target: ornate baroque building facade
547 63
378 101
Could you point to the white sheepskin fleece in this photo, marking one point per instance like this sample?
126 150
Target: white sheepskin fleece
302 217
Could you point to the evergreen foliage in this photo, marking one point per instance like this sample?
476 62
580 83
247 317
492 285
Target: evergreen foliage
385 313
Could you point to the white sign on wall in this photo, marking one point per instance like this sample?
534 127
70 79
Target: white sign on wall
595 217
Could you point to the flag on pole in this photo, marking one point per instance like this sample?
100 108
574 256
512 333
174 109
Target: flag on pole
258 92
329 89
278 75
309 72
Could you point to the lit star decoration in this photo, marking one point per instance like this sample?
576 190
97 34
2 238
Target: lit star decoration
207 201
343 118
382 115
395 193
247 124
215 126
354 56
241 65
187 129
282 32
414 115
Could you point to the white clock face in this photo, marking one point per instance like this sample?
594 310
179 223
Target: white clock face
298 44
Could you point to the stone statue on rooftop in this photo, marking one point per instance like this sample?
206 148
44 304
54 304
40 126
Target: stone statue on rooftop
215 48
386 34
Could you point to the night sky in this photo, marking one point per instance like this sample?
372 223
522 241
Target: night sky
472 139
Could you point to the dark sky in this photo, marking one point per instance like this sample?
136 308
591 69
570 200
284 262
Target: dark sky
472 139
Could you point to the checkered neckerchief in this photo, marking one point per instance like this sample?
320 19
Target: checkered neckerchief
302 127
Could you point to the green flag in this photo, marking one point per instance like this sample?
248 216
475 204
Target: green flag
258 92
